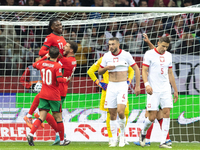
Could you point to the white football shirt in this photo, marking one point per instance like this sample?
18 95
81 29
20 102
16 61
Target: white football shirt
121 61
158 69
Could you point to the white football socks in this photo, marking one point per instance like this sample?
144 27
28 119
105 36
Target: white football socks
165 129
113 128
147 124
122 123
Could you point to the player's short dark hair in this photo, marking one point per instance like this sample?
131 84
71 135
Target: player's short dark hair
114 39
140 2
164 39
54 52
73 45
50 24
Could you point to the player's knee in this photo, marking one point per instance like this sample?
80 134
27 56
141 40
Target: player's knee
152 117
121 114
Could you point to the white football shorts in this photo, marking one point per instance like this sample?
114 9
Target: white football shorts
162 99
117 93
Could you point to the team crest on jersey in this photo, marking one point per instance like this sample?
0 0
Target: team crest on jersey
115 59
162 59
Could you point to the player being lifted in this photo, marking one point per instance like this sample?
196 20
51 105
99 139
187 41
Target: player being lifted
103 85
53 39
157 75
51 73
116 62
159 116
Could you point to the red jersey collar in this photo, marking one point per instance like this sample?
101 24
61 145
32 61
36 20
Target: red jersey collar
118 53
158 52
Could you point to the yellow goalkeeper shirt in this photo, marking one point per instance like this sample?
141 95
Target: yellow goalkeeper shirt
95 67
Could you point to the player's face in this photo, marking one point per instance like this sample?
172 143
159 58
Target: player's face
162 47
113 46
57 27
67 49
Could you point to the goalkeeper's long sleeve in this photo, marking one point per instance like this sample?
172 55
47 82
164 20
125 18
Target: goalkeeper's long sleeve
91 72
130 73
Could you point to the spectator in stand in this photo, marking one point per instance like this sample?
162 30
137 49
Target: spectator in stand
158 3
197 24
132 41
189 17
82 58
194 2
16 54
143 3
30 3
86 2
113 31
167 3
67 3
31 77
54 3
189 45
42 2
96 15
178 29
122 3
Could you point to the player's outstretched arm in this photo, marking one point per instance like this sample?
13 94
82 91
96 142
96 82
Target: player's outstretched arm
146 39
173 83
137 77
148 88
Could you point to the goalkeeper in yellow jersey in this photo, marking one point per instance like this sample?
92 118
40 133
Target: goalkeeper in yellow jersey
103 84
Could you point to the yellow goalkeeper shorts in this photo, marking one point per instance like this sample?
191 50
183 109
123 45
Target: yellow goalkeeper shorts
102 101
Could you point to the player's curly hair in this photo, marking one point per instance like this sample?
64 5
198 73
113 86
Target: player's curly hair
50 24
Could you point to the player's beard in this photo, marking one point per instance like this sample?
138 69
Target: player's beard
114 51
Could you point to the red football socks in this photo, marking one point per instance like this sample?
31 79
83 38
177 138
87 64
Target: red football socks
60 127
148 135
34 104
35 126
51 121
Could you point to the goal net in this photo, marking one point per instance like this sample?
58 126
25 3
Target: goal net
22 33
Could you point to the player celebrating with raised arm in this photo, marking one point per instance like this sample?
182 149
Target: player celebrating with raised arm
51 73
157 75
53 39
103 84
116 62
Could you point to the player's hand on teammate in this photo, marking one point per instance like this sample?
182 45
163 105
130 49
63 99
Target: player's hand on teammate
47 55
101 84
149 89
175 97
137 90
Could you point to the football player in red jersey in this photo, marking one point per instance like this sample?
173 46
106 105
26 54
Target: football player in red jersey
51 73
68 63
54 38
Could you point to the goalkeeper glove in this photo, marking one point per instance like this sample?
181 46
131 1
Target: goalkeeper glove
129 81
101 84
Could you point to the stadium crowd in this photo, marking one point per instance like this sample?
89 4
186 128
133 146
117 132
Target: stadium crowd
19 45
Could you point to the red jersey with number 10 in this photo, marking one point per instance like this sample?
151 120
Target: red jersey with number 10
68 67
51 73
52 40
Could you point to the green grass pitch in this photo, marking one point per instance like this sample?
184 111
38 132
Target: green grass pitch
90 146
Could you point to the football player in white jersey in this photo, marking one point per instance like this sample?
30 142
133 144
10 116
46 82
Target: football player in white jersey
157 75
117 61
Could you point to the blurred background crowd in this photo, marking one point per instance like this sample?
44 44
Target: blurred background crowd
20 44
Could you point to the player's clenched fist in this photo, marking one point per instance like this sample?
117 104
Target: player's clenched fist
149 90
137 90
